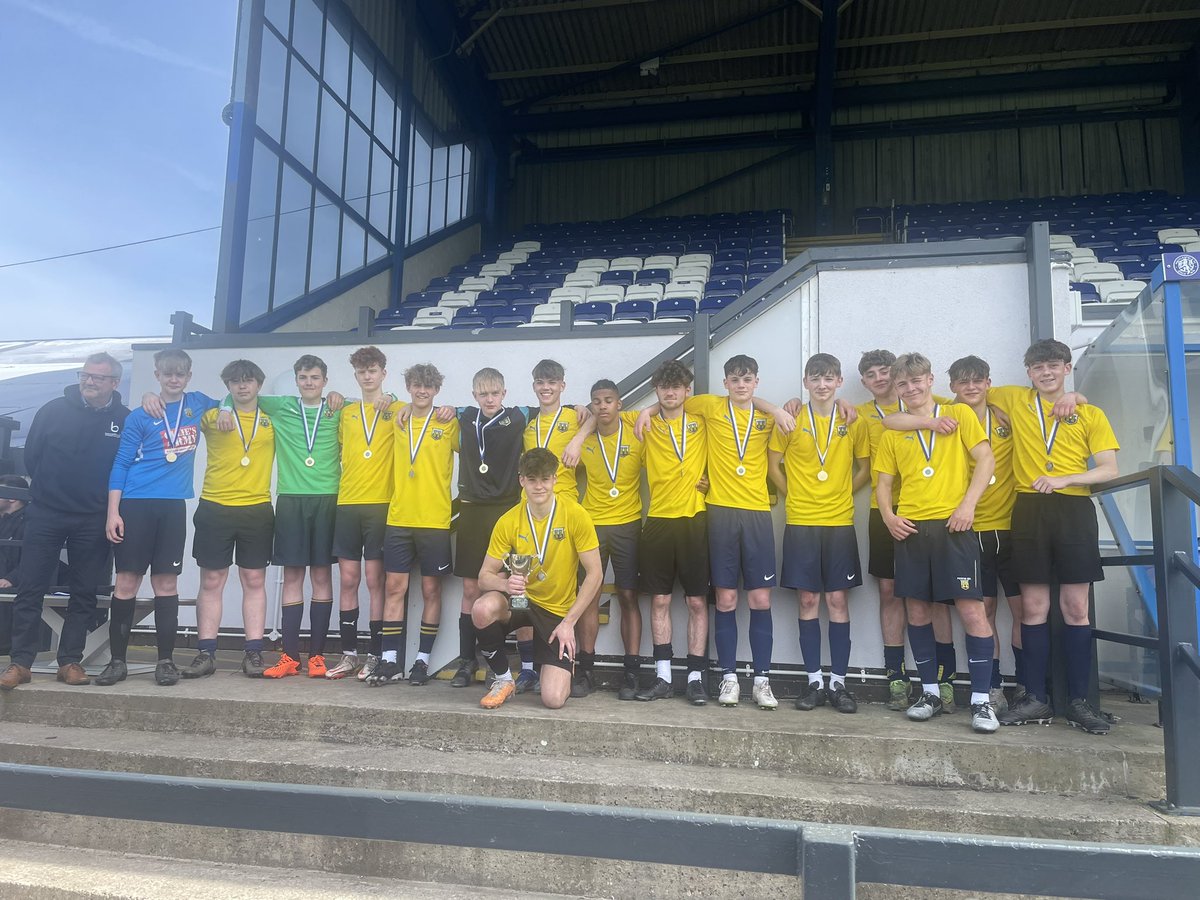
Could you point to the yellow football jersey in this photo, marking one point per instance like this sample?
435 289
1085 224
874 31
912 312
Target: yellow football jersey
812 500
620 452
561 537
751 429
931 488
554 432
226 480
675 456
423 463
994 510
367 439
1075 439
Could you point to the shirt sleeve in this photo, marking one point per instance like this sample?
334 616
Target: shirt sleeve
970 430
272 405
583 532
779 441
1007 398
201 401
702 405
885 457
131 440
861 435
1100 435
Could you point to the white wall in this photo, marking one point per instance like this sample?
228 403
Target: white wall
341 313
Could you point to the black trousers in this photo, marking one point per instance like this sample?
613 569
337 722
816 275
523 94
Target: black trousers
89 557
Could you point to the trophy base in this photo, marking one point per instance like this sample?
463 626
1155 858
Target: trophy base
518 602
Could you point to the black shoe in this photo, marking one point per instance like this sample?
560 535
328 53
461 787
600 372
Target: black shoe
526 680
660 690
1081 715
419 674
464 676
843 701
697 694
253 665
115 671
814 695
201 666
581 685
385 673
629 687
1027 709
165 673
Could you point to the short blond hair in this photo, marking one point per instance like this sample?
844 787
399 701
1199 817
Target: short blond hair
487 377
911 365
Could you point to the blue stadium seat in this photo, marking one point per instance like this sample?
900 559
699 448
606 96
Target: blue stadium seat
419 299
471 317
702 245
490 300
735 255
511 316
654 276
593 312
766 253
729 283
623 277
675 308
713 303
389 318
763 268
1090 292
728 268
633 311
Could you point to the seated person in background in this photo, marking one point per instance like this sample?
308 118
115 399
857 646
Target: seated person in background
560 537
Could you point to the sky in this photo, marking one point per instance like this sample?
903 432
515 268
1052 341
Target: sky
112 133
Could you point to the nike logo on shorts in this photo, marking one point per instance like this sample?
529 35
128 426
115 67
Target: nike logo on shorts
768 577
851 577
177 563
443 568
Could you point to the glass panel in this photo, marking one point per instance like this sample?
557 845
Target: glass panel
456 160
352 245
362 83
271 78
375 250
301 134
454 199
306 33
437 205
440 156
278 13
323 266
385 107
358 166
468 203
260 233
420 158
291 253
333 140
336 73
419 216
381 188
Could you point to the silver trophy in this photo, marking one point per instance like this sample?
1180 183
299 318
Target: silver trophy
519 564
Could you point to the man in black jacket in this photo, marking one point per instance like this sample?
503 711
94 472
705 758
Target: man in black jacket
12 528
68 454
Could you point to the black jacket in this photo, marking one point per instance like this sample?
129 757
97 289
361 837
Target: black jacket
12 527
69 452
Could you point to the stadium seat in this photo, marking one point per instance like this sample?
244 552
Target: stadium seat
594 264
675 308
1120 291
582 279
714 303
689 291
432 317
1177 235
696 259
1082 254
511 316
660 262
625 262
422 298
469 317
492 270
1096 271
444 283
690 273
644 292
511 257
736 284
593 312
570 294
608 293
455 299
723 269
390 317
529 246
634 311
1087 291
479 283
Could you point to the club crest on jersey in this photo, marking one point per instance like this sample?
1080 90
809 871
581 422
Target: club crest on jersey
964 584
560 533
436 434
563 426
187 411
1003 431
842 431
624 451
693 427
387 415
264 422
329 414
505 422
1072 419
760 424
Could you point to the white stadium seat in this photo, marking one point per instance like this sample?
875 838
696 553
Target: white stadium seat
571 294
1082 254
582 279
605 293
1097 271
496 268
478 283
696 259
527 246
1120 291
595 264
660 262
432 317
456 299
1177 235
623 263
1061 242
546 313
511 257
644 292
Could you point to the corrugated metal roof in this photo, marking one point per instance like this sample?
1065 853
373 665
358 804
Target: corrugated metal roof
554 54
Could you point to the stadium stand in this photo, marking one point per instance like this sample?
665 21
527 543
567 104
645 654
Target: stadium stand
617 271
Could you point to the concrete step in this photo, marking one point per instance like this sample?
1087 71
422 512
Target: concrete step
48 872
873 747
610 782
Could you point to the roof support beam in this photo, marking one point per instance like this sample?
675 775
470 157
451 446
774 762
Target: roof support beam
561 6
822 119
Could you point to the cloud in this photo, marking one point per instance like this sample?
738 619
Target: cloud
101 34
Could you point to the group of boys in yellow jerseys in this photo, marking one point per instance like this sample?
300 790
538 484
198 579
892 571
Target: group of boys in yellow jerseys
969 495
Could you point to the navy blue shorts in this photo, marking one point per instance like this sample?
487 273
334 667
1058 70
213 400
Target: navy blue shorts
937 564
820 558
403 547
619 543
359 530
741 542
304 529
995 564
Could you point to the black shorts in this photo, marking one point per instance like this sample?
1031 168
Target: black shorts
304 529
543 622
741 542
674 549
881 552
937 564
155 536
476 522
430 547
359 530
1055 538
228 533
995 564
620 544
820 558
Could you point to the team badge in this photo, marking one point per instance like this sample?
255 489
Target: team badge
505 422
563 426
1002 431
624 451
842 431
760 424
436 434
387 415
693 427
329 413
264 421
964 584
188 412
1072 419
560 533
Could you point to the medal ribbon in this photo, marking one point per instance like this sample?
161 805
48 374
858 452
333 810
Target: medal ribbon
1048 436
237 419
612 470
737 439
680 447
480 437
879 411
927 449
537 428
368 436
812 424
413 451
173 433
310 439
540 548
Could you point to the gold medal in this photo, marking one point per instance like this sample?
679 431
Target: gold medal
483 468
1049 466
245 460
822 475
171 457
614 492
310 462
927 471
366 454
741 470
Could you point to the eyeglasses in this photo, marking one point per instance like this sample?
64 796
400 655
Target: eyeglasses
93 378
